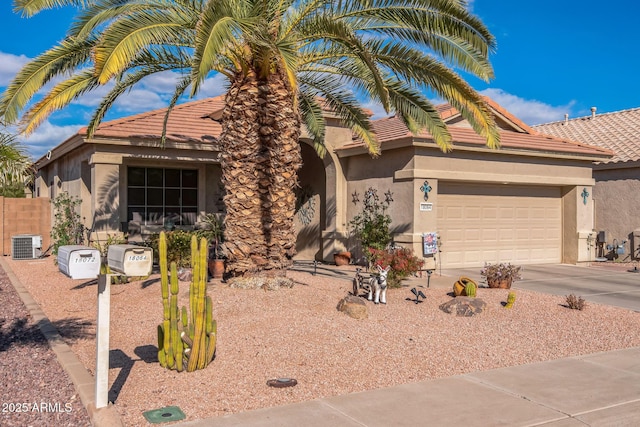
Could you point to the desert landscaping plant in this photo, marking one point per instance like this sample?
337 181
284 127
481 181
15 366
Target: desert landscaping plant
511 299
371 225
501 275
470 289
575 303
403 263
213 231
67 227
186 338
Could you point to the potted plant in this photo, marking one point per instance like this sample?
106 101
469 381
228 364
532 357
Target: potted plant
342 258
501 275
214 227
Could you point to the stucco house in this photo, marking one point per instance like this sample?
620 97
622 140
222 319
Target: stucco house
523 203
617 179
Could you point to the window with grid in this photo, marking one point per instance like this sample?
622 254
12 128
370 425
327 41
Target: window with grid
156 196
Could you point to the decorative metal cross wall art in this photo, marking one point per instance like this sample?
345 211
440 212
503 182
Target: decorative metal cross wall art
426 188
355 197
584 195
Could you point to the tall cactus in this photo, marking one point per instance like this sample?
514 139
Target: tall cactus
186 338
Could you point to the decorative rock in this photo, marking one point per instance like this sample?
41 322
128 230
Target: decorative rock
464 306
354 307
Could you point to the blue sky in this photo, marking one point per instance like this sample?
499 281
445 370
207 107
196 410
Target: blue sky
553 57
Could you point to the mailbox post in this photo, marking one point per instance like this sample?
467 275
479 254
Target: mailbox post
102 340
126 260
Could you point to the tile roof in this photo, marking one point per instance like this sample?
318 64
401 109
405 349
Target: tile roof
618 131
188 122
191 122
520 137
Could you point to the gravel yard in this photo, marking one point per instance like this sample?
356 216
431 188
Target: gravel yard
296 333
34 389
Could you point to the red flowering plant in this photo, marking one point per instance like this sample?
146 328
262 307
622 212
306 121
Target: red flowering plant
402 261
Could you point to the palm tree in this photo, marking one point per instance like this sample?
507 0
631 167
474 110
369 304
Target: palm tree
286 61
16 171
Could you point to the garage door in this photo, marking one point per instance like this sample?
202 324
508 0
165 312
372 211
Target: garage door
499 223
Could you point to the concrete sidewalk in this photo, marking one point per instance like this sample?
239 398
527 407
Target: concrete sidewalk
600 389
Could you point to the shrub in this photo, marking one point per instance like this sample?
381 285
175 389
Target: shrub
178 245
67 228
575 303
371 225
402 262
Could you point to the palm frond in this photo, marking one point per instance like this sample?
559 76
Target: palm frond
124 39
59 60
32 7
313 120
59 97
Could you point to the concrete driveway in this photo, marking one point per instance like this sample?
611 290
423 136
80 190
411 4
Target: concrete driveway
605 284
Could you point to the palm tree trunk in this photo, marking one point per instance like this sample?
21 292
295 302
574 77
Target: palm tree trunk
260 157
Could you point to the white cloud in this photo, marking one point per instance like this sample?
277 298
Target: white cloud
9 65
213 86
530 111
45 137
377 110
139 100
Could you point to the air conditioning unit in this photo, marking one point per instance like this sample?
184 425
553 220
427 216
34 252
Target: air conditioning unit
26 246
79 262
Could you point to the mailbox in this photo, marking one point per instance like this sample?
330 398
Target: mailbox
79 262
130 260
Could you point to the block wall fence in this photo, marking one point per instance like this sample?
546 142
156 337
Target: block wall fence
24 216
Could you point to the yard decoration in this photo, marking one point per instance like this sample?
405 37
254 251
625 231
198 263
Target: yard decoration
418 294
186 339
460 287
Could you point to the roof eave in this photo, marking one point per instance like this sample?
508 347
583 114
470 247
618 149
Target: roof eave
354 150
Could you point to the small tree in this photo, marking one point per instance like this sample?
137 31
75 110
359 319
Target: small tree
67 228
371 225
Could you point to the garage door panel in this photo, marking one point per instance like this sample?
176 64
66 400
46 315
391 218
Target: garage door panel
472 212
506 213
493 234
491 224
473 235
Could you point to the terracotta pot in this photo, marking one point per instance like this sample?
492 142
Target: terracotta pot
502 284
460 287
216 268
342 258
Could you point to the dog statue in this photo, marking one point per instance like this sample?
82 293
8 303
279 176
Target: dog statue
379 285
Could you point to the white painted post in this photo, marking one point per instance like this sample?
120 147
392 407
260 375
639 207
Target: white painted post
102 340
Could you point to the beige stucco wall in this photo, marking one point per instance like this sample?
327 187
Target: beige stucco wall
616 205
405 169
96 171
